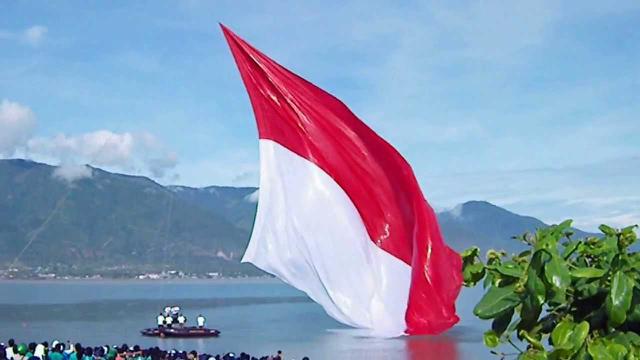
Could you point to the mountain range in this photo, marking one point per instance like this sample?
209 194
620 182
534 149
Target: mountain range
121 225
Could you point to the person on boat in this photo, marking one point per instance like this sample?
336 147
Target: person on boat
160 320
175 310
169 321
167 310
201 321
182 320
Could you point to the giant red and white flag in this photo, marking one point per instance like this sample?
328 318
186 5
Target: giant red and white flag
340 213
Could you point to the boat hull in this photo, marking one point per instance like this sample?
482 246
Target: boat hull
185 332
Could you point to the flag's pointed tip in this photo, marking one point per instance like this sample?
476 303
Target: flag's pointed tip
229 35
225 30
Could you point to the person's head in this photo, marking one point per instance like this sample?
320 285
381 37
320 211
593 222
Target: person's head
111 354
192 355
32 347
88 351
22 349
305 358
78 348
11 342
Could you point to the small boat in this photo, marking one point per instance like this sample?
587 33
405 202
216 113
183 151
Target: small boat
181 332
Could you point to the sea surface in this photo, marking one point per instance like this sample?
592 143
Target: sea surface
255 316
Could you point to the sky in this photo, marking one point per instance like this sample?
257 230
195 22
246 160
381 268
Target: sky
531 105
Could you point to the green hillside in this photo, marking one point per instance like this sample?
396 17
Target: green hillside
120 225
109 221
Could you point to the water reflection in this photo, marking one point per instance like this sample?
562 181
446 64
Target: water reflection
442 347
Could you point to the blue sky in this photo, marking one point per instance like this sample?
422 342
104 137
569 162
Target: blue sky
532 105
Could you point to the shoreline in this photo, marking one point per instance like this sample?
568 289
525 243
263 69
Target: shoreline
244 280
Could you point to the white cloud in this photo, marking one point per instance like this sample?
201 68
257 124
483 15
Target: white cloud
130 152
16 126
72 172
35 35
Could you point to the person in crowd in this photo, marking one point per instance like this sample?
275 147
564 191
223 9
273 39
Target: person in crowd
77 353
169 321
88 353
39 352
160 320
20 351
111 353
122 353
56 351
31 348
201 320
9 349
192 355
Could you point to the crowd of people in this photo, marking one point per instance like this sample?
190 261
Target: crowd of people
13 350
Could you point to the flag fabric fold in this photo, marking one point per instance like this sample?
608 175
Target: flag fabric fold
340 213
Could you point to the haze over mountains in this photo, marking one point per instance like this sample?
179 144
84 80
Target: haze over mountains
89 221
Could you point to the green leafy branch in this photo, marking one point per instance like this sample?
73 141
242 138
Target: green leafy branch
561 298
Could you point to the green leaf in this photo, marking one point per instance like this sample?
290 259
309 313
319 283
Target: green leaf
580 333
617 351
607 230
570 248
534 284
601 349
491 339
563 228
533 354
619 299
587 273
488 280
568 337
470 253
501 322
510 269
633 338
496 301
557 273
531 310
562 333
535 343
472 273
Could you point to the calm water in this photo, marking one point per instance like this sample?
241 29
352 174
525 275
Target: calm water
258 317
